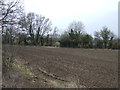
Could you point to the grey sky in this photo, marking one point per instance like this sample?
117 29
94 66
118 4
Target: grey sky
93 13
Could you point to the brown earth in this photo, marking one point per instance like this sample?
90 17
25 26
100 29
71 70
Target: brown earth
44 67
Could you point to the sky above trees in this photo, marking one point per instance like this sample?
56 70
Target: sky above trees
94 14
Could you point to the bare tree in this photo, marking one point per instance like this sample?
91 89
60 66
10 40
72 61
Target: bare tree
43 26
36 26
75 31
97 40
10 12
106 36
55 34
76 26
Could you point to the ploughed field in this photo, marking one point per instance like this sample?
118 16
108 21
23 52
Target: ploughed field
68 67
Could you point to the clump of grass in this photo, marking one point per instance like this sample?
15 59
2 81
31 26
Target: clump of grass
8 55
7 62
23 70
58 84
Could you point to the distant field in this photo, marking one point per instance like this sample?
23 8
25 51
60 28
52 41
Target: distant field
65 67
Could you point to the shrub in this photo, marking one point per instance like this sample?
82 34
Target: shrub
57 44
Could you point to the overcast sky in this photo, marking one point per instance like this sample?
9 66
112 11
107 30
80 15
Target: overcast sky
93 13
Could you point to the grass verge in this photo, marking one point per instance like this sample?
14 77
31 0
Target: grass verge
28 74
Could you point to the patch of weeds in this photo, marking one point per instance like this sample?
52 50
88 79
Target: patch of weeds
7 62
58 84
23 70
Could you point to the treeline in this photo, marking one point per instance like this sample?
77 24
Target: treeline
102 39
19 28
33 30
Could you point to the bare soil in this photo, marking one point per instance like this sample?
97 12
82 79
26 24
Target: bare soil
64 68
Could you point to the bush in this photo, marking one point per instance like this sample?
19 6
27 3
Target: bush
57 44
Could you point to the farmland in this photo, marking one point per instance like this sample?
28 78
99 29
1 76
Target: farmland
47 67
